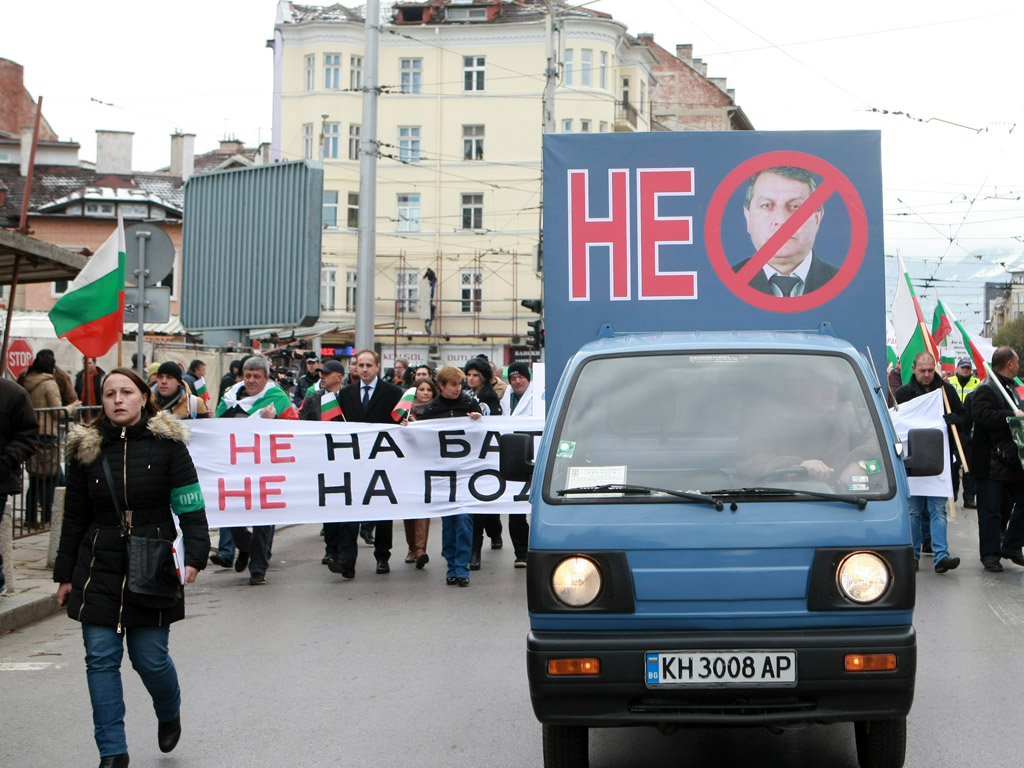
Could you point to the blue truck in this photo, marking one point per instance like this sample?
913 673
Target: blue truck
720 532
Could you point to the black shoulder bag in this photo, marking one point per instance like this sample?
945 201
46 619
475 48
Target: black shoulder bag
150 560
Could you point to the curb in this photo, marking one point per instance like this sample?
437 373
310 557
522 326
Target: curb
17 611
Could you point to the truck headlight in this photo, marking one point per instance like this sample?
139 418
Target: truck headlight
576 581
863 577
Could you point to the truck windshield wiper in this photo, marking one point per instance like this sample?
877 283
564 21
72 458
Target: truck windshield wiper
858 501
644 490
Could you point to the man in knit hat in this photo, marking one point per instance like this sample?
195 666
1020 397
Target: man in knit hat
519 399
172 395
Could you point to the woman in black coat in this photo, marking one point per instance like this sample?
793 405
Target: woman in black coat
478 376
154 480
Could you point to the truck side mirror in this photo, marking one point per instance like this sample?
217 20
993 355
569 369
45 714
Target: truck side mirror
924 453
515 457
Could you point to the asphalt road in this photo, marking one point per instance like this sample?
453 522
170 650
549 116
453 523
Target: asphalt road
402 670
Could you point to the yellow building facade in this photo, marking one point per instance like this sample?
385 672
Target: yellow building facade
459 179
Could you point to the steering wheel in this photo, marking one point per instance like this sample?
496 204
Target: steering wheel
789 473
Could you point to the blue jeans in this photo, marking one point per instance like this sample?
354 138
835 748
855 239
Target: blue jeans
457 544
935 508
147 649
226 544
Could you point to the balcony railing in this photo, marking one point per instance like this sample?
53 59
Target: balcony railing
624 111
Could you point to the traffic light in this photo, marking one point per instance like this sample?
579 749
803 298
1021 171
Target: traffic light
534 305
536 333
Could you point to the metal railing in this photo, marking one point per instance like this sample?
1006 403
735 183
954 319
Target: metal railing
32 508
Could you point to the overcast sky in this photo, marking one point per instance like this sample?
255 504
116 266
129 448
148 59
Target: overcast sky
953 171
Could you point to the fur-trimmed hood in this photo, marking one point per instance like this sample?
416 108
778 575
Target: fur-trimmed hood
84 442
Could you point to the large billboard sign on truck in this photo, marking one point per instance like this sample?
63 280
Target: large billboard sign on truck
713 231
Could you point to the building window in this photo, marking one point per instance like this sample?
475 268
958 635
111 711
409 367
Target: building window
472 211
567 126
471 287
307 141
568 66
472 142
310 73
328 288
584 126
586 67
330 208
409 143
408 213
332 71
625 90
352 221
353 141
602 127
412 75
355 74
604 70
473 73
350 290
407 287
332 141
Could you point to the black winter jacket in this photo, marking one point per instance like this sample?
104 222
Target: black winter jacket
990 409
443 408
152 456
19 434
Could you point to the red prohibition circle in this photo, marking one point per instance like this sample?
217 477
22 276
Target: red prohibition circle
858 231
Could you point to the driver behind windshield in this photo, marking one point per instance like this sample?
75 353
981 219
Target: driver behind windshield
802 429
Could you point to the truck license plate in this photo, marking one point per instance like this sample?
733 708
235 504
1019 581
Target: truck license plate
714 668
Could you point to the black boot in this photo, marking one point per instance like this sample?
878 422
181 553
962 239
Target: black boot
114 761
474 561
167 734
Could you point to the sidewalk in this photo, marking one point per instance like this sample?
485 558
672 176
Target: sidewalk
31 593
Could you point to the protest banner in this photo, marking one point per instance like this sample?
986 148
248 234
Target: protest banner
264 472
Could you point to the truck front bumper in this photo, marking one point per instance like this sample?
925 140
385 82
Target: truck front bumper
824 691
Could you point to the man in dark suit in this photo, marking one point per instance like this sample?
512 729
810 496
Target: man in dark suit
370 400
772 197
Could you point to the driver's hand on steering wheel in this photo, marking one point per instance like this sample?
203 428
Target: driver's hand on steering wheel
818 469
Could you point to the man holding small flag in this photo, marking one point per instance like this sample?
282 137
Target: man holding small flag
323 405
195 380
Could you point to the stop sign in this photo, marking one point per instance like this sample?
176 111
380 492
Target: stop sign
19 356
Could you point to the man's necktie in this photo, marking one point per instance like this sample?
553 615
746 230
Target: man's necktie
785 283
366 397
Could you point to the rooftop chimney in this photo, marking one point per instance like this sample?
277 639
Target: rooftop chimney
26 147
183 155
114 152
684 53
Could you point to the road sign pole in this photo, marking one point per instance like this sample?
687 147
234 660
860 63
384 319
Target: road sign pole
141 282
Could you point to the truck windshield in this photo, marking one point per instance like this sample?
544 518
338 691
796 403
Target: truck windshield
718 422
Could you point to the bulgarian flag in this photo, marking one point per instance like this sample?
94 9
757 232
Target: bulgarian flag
253 404
201 390
944 319
403 406
91 314
330 408
908 323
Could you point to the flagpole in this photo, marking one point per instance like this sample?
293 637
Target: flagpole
930 345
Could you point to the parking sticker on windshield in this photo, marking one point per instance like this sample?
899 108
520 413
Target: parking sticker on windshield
871 466
566 449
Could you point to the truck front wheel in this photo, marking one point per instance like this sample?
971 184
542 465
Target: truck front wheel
881 743
565 746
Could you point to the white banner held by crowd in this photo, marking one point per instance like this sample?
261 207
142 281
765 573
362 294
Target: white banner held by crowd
922 413
264 472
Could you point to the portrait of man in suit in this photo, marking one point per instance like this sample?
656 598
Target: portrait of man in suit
774 195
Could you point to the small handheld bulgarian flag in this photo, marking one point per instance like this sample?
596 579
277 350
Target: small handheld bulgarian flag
201 390
403 406
330 408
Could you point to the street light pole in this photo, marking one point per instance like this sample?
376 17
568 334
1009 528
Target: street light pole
364 336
